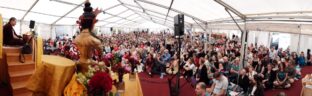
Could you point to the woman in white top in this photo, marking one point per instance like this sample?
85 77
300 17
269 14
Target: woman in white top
189 67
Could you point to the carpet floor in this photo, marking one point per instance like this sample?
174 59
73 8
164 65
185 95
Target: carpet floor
154 86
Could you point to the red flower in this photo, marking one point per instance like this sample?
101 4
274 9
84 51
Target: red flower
101 81
106 61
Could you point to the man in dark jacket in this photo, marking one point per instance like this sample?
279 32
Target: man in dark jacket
9 35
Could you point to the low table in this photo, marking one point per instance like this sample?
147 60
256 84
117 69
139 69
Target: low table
51 77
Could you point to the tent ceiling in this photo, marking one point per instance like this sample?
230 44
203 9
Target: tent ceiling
265 6
134 12
45 6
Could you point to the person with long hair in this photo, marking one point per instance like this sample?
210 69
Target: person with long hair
149 64
281 78
201 73
189 67
268 77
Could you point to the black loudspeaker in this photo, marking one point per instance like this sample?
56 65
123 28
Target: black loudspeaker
179 25
32 24
111 29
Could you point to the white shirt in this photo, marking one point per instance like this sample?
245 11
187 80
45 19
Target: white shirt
219 85
191 66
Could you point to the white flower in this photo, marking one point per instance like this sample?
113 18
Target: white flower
101 64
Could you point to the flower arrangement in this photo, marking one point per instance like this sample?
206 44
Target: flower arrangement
100 83
114 61
97 79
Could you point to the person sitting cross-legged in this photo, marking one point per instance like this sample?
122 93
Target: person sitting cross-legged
219 86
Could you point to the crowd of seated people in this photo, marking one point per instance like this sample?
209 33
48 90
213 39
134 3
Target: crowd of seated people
63 47
214 61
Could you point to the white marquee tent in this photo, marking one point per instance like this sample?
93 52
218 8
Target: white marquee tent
259 17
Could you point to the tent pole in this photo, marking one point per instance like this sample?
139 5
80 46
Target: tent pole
116 14
239 14
172 9
298 49
138 13
69 3
151 18
168 11
152 11
200 25
235 20
77 6
32 6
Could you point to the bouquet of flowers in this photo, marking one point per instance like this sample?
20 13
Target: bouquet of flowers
97 79
117 67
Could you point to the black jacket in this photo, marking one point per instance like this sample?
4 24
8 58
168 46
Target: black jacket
243 82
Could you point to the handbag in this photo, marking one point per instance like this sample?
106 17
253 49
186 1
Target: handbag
26 49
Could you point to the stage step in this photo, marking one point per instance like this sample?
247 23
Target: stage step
19 67
19 89
19 72
12 49
20 76
14 57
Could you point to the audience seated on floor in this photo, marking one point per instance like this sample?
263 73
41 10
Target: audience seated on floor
265 68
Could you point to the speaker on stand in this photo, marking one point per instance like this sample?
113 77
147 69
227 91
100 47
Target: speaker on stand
33 37
178 32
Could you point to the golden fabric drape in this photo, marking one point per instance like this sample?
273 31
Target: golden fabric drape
3 73
51 77
39 51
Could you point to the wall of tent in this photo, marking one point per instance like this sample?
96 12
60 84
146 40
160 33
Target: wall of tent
295 42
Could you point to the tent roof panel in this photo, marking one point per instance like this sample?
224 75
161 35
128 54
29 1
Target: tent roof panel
131 2
67 21
133 17
52 7
117 10
19 4
8 13
265 6
76 13
101 23
153 7
203 9
41 18
126 14
113 19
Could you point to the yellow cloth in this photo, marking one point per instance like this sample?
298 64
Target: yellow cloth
51 77
132 87
39 51
74 88
1 36
2 65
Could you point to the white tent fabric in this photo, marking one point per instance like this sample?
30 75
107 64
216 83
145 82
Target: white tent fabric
122 11
131 15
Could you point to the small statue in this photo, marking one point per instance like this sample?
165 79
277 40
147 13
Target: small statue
86 41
